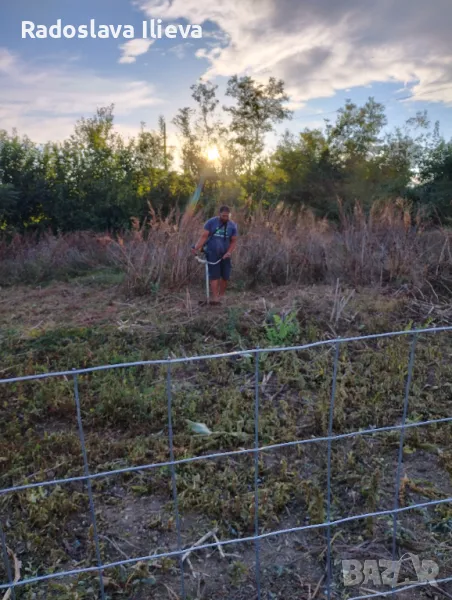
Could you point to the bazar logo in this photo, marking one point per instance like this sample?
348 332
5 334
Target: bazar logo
387 572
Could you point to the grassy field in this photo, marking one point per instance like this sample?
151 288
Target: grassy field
89 321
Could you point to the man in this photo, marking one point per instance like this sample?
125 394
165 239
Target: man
220 238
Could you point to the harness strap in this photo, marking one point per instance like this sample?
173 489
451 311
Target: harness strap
225 227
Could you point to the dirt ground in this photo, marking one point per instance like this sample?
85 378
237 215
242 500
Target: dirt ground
135 515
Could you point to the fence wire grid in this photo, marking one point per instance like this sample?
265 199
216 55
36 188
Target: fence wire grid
328 590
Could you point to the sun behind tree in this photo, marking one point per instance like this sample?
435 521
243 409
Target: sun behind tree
212 153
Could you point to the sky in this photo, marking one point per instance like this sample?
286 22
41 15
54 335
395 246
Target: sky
398 51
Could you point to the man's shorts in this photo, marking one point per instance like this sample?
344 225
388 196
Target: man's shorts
220 271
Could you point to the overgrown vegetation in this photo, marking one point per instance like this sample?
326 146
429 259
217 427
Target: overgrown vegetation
386 249
125 419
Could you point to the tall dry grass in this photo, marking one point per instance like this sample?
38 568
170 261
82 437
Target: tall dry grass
157 253
383 249
32 259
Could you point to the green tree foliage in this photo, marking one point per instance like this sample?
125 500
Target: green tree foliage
257 109
97 180
304 173
93 180
356 131
9 201
434 191
25 188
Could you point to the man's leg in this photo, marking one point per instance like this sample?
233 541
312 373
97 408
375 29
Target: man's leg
214 278
223 286
215 287
225 274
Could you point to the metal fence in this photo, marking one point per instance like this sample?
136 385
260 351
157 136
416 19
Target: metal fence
172 463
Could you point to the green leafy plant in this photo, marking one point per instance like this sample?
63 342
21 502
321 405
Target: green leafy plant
283 329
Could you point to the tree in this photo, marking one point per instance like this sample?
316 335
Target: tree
354 141
24 183
204 93
9 205
398 162
191 150
166 157
258 108
435 179
304 174
357 129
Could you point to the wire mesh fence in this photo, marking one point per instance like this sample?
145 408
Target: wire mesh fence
330 439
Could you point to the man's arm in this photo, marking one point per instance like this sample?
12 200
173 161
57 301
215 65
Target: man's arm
202 240
231 247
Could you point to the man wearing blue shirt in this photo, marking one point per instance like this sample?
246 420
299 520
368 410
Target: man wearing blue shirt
219 239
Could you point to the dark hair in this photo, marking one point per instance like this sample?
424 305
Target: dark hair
225 208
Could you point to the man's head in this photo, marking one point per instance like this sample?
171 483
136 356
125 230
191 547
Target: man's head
225 212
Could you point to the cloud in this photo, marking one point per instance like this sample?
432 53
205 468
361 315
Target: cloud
133 48
180 50
6 61
324 46
45 102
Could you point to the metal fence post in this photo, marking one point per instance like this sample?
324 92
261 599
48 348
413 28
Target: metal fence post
328 499
400 455
173 476
256 475
89 486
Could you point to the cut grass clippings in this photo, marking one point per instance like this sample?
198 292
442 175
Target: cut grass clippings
125 419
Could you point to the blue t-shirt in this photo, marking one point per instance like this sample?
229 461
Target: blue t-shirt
220 240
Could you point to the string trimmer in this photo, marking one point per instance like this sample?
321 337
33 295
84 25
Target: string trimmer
205 262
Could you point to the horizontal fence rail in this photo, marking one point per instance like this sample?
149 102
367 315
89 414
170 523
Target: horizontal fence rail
330 439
